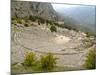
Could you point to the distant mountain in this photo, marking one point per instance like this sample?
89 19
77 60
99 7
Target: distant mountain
79 16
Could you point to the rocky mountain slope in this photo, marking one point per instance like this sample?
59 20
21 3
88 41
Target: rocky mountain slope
23 9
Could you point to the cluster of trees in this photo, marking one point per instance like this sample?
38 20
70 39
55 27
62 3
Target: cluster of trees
40 20
36 18
53 24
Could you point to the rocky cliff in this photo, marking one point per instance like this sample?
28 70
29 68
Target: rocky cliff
23 9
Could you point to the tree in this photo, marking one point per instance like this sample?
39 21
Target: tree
90 62
39 22
32 18
29 59
53 28
48 62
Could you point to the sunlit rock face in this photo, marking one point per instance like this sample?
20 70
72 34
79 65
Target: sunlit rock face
23 9
60 39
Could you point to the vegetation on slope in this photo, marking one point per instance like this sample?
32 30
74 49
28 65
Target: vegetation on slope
29 59
48 62
53 28
90 62
31 63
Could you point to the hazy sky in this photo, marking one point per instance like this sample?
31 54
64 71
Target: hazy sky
62 6
89 2
66 6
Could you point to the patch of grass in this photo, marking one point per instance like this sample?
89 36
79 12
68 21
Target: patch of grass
29 59
19 21
48 62
14 22
63 68
17 29
21 69
31 64
90 62
37 69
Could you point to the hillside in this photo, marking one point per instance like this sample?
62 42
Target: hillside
35 29
82 17
23 9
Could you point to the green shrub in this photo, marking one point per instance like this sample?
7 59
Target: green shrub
14 22
88 34
41 20
19 21
90 62
23 21
32 18
26 25
29 59
48 62
56 23
50 22
53 28
47 22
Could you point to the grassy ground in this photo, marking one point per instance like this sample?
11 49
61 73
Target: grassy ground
37 69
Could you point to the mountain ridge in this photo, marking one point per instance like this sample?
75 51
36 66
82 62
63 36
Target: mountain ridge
79 16
22 9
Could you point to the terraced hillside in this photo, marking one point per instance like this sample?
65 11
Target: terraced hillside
69 46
